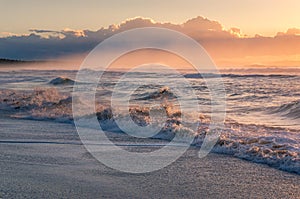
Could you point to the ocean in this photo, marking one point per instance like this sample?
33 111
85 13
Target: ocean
262 109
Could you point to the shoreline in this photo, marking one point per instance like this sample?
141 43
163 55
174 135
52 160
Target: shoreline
61 167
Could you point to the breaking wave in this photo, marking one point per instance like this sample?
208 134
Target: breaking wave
38 104
274 150
277 147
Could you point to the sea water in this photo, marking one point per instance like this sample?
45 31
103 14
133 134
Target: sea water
262 110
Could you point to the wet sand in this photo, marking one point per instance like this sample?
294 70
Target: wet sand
41 159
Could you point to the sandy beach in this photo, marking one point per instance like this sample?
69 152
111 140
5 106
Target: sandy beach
43 159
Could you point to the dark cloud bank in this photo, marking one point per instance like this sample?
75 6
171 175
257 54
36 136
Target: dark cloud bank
221 44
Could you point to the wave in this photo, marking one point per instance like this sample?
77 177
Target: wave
162 93
38 104
212 75
291 110
62 81
258 75
281 153
278 148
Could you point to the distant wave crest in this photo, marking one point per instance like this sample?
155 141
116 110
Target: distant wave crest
162 93
212 75
62 81
291 110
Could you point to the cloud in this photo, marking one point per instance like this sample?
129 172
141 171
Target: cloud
67 32
43 31
290 32
6 34
72 33
225 46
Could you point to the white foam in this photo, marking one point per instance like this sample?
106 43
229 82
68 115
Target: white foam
276 147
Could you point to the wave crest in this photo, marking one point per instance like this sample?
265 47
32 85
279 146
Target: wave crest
62 81
291 110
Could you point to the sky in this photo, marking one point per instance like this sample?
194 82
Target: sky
234 32
266 17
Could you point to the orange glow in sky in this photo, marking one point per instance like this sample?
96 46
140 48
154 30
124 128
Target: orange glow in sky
234 32
266 17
